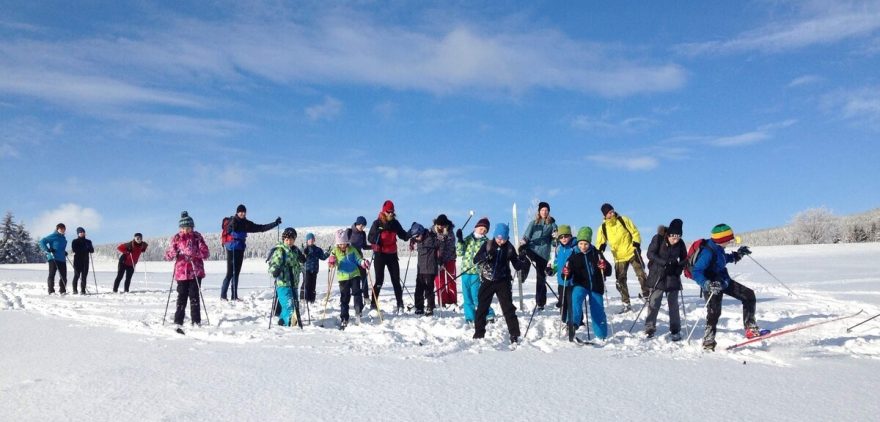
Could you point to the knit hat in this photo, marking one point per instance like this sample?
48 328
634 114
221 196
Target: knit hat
605 208
240 208
388 206
674 227
502 231
139 235
442 220
360 220
60 226
341 237
722 233
563 229
416 229
585 234
310 236
543 204
80 230
289 233
483 222
186 220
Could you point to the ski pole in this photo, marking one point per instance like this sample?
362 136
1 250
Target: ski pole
771 275
201 296
470 215
308 312
296 306
854 326
562 308
587 315
71 266
375 294
530 322
330 272
405 273
698 319
167 302
93 272
274 301
683 308
646 303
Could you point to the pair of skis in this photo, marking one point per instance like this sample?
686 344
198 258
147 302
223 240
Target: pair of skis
790 330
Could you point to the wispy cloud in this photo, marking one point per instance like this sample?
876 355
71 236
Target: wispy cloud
606 124
408 180
326 110
8 151
71 214
762 133
626 162
804 80
820 24
860 105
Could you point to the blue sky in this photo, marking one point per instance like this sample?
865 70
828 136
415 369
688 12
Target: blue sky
118 115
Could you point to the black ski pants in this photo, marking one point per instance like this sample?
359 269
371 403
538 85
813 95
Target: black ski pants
504 291
309 285
123 270
425 290
234 260
80 269
713 308
61 268
188 290
380 261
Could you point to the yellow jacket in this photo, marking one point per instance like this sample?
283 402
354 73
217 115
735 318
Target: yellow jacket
619 238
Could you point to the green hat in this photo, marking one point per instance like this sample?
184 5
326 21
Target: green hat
563 229
585 234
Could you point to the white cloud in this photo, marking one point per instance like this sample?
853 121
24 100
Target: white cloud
762 133
626 162
606 124
804 80
72 215
861 105
408 180
327 110
819 24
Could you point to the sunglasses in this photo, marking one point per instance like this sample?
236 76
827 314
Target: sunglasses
674 236
564 236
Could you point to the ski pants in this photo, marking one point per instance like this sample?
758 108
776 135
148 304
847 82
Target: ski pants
713 308
80 269
620 269
308 289
380 261
470 290
504 291
287 303
188 290
365 284
347 289
234 259
654 302
61 268
565 302
425 290
580 296
541 280
121 270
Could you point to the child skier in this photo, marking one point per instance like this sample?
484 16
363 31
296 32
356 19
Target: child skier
710 272
494 260
587 269
667 256
131 252
357 238
429 247
313 253
285 265
466 248
54 246
81 248
189 250
444 281
566 245
347 261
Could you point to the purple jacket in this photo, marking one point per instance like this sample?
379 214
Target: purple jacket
189 250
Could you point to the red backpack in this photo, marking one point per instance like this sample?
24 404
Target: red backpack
226 231
693 252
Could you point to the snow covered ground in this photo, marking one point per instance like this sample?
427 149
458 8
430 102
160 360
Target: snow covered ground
107 356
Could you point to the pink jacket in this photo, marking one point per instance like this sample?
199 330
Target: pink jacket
189 250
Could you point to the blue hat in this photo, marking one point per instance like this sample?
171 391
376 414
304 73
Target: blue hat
310 236
502 231
416 229
361 220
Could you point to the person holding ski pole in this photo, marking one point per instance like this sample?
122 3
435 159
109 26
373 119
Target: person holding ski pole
54 245
313 254
566 245
357 237
444 279
623 236
285 265
384 232
667 256
131 253
710 273
587 269
494 259
347 261
467 248
429 249
235 231
188 249
538 239
81 248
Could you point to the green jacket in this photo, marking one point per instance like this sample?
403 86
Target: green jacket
347 263
466 250
290 261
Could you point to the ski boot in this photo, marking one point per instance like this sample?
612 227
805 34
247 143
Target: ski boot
343 324
571 331
709 346
675 337
429 312
649 334
626 308
754 331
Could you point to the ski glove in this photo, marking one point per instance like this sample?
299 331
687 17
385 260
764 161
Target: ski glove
51 249
637 245
278 221
459 235
715 288
365 264
276 272
565 271
331 261
744 250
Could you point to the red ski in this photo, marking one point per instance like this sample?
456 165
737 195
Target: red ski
790 330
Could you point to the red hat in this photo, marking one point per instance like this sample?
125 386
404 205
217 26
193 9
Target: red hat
388 206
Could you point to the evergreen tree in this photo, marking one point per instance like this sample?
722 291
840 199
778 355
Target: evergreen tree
16 244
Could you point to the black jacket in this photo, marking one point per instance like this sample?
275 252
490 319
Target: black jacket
357 238
494 261
81 248
665 263
583 269
427 250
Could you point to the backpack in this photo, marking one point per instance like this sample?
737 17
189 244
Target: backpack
693 252
622 223
226 231
272 251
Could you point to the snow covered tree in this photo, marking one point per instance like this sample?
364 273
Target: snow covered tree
816 225
16 245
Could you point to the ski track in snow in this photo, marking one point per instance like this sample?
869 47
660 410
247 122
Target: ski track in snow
446 333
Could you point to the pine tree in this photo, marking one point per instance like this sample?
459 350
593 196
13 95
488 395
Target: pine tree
16 244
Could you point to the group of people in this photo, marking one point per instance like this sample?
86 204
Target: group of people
488 268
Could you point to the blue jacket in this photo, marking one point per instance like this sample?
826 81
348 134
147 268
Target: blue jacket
562 254
239 229
58 243
313 254
540 237
705 269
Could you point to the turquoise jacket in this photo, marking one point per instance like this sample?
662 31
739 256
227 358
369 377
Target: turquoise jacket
540 237
562 254
57 242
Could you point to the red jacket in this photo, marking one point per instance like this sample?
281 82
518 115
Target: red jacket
383 235
131 252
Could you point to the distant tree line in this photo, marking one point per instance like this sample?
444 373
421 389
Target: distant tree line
820 225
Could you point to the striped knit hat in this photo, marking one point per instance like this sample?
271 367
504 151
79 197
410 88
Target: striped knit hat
185 220
722 233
